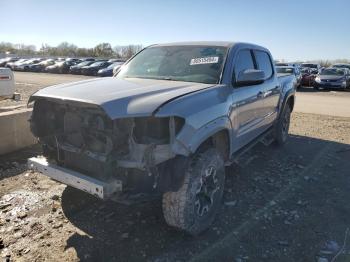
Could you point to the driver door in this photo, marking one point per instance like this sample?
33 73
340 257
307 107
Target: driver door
247 103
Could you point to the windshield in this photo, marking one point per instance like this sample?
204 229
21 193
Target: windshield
84 63
285 70
46 62
333 72
97 63
202 64
342 66
114 65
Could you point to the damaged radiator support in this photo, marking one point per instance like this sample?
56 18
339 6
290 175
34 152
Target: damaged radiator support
84 144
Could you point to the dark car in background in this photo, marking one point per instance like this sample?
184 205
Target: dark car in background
61 67
330 78
307 76
108 71
88 59
40 67
315 67
92 69
73 60
76 69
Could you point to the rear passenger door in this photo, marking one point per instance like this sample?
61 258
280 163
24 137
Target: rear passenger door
271 88
247 102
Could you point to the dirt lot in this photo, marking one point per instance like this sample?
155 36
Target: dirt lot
280 204
28 83
288 204
323 102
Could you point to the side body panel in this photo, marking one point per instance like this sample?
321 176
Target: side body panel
205 113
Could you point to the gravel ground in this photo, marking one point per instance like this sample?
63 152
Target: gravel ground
288 204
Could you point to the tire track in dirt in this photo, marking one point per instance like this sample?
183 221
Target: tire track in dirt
231 239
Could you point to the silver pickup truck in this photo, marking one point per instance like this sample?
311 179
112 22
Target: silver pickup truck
166 124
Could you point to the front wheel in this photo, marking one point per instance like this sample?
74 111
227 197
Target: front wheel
282 126
193 207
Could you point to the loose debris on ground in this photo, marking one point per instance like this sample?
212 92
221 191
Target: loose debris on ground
288 204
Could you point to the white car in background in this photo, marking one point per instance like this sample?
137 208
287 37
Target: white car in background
24 66
11 65
7 83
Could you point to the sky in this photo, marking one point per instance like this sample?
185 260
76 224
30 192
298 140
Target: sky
292 30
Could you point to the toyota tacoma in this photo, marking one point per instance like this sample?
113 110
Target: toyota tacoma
166 124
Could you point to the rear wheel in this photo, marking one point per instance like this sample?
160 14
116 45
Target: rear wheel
282 127
193 207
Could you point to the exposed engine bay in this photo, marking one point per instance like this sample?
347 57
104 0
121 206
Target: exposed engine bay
83 138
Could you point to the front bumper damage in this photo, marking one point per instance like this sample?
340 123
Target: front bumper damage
98 188
84 148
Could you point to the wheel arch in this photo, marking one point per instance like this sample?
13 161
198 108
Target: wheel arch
289 98
216 133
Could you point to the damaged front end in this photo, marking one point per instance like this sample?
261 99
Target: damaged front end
136 152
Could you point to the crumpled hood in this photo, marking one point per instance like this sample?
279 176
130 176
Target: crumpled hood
121 97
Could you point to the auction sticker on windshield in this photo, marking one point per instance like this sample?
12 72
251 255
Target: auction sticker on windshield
204 60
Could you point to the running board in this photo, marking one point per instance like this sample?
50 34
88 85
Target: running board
265 138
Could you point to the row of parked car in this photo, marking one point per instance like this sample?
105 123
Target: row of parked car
336 76
85 66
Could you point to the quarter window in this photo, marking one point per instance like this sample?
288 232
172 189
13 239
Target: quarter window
264 63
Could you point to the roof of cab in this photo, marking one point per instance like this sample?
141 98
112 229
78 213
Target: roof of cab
228 44
199 43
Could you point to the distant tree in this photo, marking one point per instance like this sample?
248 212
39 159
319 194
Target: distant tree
127 51
103 50
345 61
325 63
117 51
45 49
22 49
66 49
130 50
7 47
85 52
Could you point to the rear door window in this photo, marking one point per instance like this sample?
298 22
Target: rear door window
263 61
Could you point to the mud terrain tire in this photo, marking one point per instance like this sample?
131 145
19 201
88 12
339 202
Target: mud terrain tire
193 207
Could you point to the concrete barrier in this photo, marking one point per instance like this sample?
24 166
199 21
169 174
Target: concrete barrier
15 130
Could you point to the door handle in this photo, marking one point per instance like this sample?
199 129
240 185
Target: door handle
267 93
261 94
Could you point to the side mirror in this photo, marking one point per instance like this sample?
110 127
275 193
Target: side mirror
250 77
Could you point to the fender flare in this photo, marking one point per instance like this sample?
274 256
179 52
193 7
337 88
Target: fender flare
185 145
290 93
